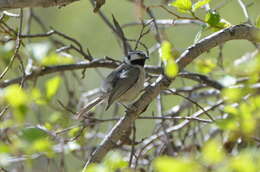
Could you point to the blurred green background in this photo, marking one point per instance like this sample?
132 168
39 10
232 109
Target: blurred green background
78 21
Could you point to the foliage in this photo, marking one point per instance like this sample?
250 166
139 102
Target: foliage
208 124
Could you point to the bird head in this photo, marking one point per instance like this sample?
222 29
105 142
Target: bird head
136 58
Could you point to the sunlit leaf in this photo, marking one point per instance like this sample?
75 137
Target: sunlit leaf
232 94
169 164
43 145
52 86
74 131
231 110
96 168
248 122
223 24
212 152
15 96
166 51
115 161
56 59
199 4
228 124
171 68
243 163
205 66
182 5
37 97
4 148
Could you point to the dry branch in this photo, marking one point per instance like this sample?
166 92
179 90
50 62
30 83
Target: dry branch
12 4
121 128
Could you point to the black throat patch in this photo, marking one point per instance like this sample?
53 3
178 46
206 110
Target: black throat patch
140 62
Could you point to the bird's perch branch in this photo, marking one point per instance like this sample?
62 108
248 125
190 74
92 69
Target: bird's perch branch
121 128
12 4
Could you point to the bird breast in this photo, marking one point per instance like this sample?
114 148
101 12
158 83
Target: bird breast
134 91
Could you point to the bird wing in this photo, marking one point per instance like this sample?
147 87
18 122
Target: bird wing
119 81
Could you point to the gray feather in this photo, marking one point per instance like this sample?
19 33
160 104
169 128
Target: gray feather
118 82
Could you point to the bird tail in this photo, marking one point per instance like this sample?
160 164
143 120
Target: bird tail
88 107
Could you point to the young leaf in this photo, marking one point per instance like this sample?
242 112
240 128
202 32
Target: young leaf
212 18
199 4
171 69
51 86
56 59
167 164
15 96
182 5
212 152
166 51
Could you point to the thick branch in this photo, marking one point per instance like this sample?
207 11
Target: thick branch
12 4
122 126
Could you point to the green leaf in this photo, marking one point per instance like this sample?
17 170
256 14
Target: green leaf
31 134
56 59
182 5
205 65
43 145
257 23
37 97
232 94
115 161
15 96
171 69
212 18
167 164
52 86
212 152
243 163
229 124
166 50
199 4
96 168
4 148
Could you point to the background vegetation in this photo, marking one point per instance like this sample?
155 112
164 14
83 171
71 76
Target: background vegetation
207 120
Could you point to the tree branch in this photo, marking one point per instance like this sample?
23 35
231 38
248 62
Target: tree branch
12 4
124 124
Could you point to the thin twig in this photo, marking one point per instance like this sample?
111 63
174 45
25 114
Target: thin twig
245 11
18 44
192 101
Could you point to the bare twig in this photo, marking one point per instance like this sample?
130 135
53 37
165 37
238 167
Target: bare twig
245 11
18 44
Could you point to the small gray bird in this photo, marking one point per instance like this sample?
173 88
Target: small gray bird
123 84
